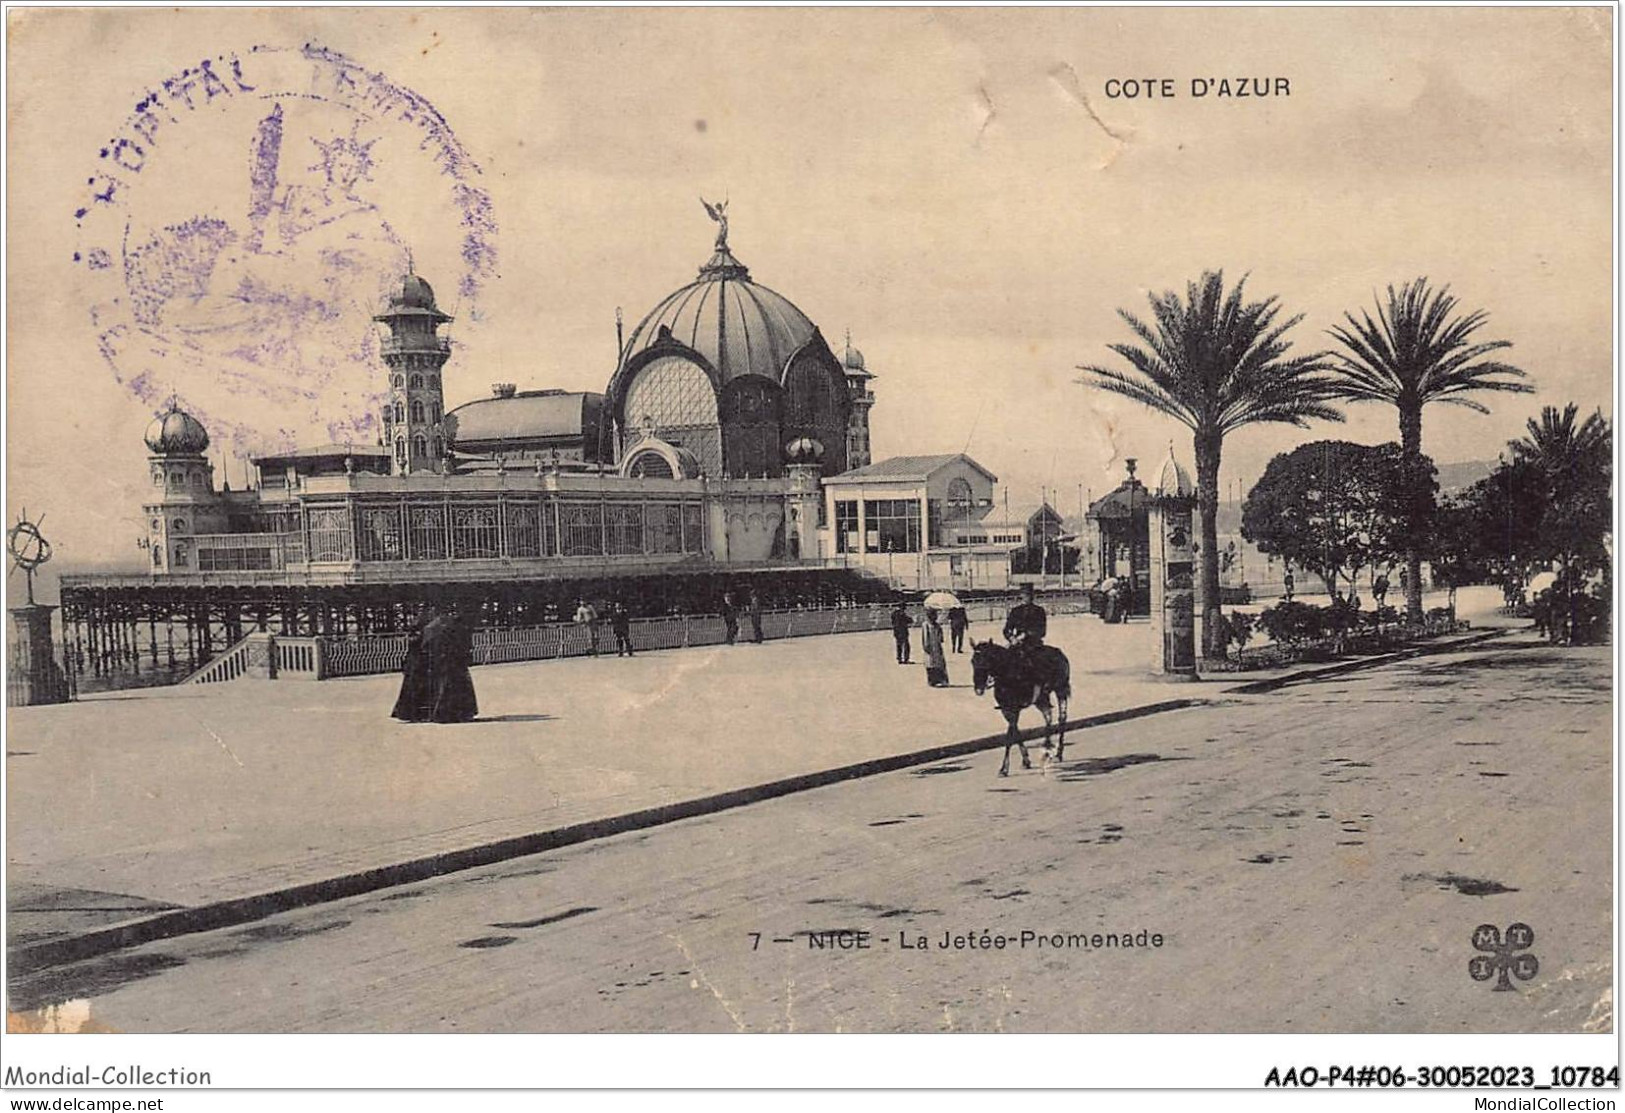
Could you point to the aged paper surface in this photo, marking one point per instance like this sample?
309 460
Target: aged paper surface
207 211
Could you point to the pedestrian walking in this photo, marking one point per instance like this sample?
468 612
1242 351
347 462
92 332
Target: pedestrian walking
755 610
900 625
730 617
958 623
620 620
417 685
586 620
936 665
1379 590
448 642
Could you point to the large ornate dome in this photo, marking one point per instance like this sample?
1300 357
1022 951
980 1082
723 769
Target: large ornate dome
732 372
739 326
176 432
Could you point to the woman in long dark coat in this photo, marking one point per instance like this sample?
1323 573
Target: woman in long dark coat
417 685
449 643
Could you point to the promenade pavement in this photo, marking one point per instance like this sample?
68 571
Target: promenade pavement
1312 861
125 804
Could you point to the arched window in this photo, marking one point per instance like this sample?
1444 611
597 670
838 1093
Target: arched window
417 382
961 499
439 448
675 396
815 406
417 410
434 411
420 448
400 412
809 396
180 556
400 380
400 450
650 465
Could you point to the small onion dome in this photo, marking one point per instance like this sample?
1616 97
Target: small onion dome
804 450
415 293
176 432
1175 480
854 359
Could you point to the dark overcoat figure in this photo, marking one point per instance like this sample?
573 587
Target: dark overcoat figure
958 623
900 626
449 643
755 610
620 621
730 617
417 685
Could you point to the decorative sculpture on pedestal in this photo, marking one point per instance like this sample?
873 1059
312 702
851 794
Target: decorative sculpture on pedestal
35 676
1173 566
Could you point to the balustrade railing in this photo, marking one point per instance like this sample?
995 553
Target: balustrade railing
229 665
319 658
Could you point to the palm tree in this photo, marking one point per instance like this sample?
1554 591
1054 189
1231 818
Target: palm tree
1559 449
1574 464
1419 351
1216 362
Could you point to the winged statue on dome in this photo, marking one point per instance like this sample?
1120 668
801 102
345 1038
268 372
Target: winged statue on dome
718 211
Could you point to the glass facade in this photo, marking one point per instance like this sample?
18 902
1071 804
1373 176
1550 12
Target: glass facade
475 533
582 527
846 526
329 530
893 525
428 533
539 527
623 528
676 398
381 534
524 532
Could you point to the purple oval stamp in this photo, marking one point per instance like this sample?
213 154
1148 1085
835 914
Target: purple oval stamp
245 222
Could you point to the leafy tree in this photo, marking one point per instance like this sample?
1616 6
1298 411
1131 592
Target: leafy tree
1332 507
1549 504
1574 463
1418 350
1216 362
1492 531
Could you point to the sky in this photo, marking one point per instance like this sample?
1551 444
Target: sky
954 186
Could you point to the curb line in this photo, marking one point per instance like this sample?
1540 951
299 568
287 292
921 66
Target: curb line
242 910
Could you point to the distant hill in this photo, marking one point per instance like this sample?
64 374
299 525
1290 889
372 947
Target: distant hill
1461 475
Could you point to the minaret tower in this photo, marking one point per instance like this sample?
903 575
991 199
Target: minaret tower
863 399
415 353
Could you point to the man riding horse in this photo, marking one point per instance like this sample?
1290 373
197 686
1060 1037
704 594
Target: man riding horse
1024 675
1026 624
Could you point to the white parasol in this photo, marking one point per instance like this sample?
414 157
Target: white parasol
941 601
1542 581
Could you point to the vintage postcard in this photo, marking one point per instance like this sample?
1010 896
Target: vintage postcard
1080 521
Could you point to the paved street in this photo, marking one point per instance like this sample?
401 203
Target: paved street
186 795
1315 860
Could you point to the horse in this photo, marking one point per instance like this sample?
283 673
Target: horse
1024 679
